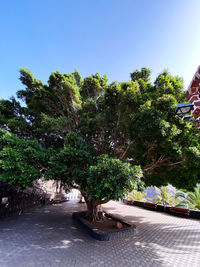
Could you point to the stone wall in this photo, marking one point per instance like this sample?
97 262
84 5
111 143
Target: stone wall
13 200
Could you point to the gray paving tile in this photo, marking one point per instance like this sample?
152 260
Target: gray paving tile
49 237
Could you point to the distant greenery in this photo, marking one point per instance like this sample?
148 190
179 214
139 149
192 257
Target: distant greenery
100 138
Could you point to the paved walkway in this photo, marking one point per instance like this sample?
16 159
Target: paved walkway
49 237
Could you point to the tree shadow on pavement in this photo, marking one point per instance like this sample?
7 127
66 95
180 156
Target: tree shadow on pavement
49 237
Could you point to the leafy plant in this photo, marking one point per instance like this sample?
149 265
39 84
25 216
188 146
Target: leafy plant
164 196
136 195
189 199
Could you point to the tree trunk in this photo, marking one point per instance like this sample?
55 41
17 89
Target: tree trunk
94 211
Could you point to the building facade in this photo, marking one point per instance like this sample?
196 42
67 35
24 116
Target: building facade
193 95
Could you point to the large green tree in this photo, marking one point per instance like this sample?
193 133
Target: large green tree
92 135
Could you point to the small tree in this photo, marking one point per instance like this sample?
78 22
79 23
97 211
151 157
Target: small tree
164 196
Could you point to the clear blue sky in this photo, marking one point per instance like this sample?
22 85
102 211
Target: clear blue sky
112 37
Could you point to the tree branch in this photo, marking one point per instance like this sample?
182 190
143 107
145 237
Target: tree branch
155 164
124 153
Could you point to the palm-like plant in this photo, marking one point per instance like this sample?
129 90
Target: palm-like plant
189 199
136 195
164 196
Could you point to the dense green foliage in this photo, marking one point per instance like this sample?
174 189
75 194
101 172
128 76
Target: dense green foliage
20 159
90 134
164 145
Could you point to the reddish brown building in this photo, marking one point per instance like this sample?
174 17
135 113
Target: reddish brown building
193 95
